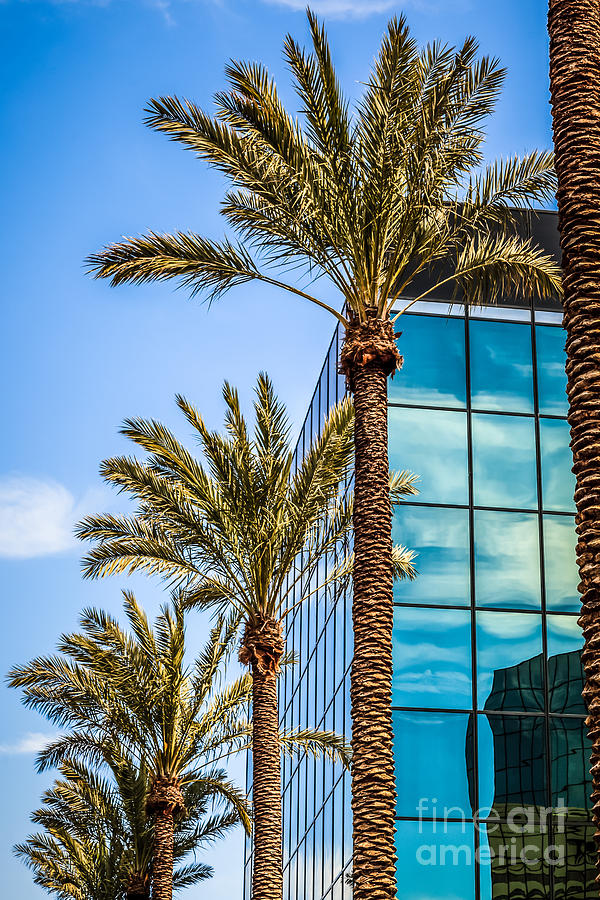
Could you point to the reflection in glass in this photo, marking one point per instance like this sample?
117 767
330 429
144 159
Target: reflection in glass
507 559
435 860
433 373
432 658
431 762
570 750
441 463
509 662
565 672
515 862
552 379
562 576
501 366
558 482
512 765
504 461
575 870
441 539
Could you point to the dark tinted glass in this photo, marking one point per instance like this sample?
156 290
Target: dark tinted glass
432 658
558 482
570 751
512 764
433 373
562 576
504 461
576 859
552 380
507 559
433 445
430 752
509 661
515 862
501 366
435 860
565 672
441 539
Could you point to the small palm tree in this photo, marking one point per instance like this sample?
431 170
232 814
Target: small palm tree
131 695
231 531
377 201
98 837
574 27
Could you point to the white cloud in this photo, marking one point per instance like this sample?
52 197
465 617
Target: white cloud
32 742
360 9
37 516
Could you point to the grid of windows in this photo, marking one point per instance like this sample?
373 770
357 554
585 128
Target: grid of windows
488 716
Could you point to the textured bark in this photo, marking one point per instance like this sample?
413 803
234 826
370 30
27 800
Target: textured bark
262 648
574 27
164 803
138 887
368 357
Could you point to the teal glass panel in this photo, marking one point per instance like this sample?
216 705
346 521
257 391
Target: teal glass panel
435 860
558 481
552 379
565 672
501 366
433 373
570 751
432 444
562 576
440 538
504 471
432 658
515 861
430 754
512 765
509 661
507 559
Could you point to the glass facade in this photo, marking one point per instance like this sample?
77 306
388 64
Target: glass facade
491 751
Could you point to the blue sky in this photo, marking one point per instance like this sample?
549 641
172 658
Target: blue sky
78 169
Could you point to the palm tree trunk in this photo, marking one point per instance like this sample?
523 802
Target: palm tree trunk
262 647
138 887
574 27
368 357
165 801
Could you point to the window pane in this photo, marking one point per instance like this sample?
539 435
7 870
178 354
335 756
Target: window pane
432 658
435 860
565 672
558 482
509 661
504 461
431 763
441 539
512 765
501 366
552 379
562 576
507 559
440 464
570 751
433 373
575 869
515 862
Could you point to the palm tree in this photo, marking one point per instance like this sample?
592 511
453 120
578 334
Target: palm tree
376 201
230 531
574 27
131 695
98 837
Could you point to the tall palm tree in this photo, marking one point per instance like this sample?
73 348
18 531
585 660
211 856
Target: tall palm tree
98 837
574 27
374 200
230 530
132 695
